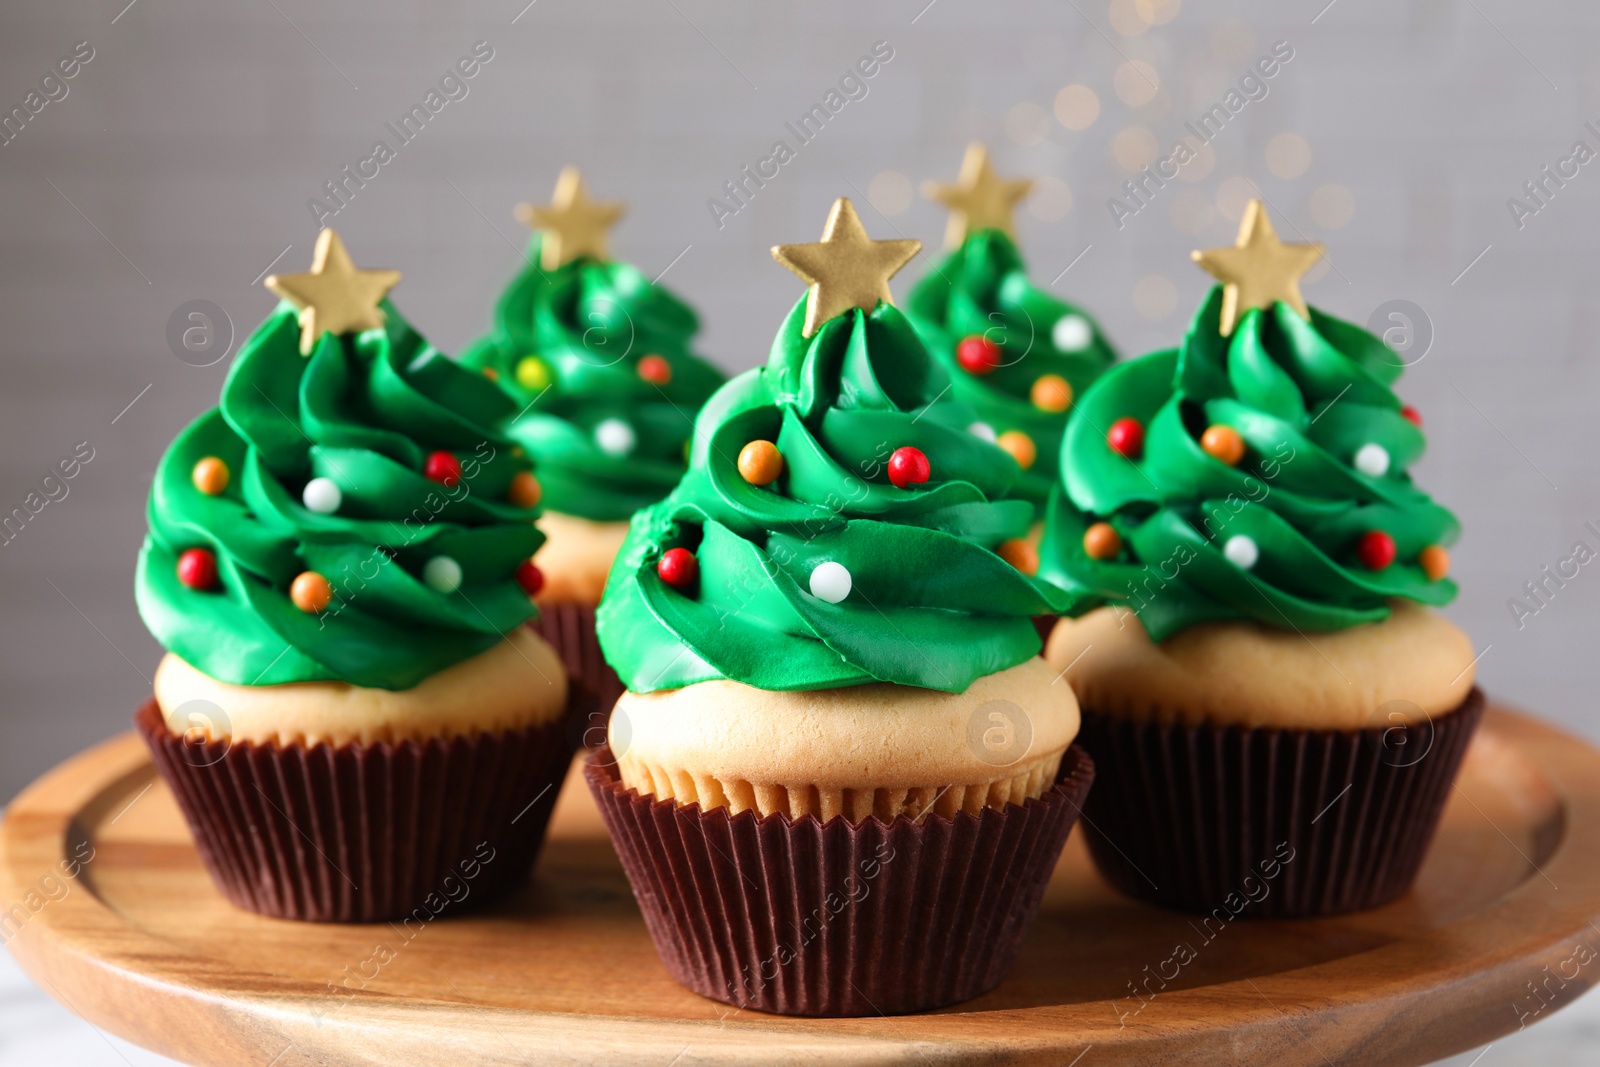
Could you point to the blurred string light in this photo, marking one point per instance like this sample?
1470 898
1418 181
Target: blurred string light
1154 297
1136 83
1077 107
1050 200
1134 148
1332 206
1288 155
1125 18
890 192
1158 12
1233 195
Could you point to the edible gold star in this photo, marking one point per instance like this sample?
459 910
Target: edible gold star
573 225
1259 269
335 297
980 199
846 269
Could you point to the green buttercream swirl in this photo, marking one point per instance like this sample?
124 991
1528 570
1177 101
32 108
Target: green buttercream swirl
591 322
1305 397
365 410
930 604
982 289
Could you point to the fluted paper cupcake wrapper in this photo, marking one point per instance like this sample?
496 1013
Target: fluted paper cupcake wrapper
360 833
800 917
569 628
1228 821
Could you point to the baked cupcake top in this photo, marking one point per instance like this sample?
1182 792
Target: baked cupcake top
1016 355
1256 472
598 359
826 534
348 513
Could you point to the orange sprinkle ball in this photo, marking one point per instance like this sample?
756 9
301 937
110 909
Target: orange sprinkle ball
1101 541
1435 562
491 374
760 462
210 476
1020 554
1052 393
655 370
1223 444
1021 447
311 592
525 490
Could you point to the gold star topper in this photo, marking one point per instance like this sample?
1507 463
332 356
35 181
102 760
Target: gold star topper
1259 269
573 225
335 297
980 199
846 269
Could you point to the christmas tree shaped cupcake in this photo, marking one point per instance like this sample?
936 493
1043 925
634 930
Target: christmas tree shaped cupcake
1016 355
1280 715
599 361
351 714
841 771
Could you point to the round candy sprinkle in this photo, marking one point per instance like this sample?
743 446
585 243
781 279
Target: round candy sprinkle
197 568
210 476
1072 333
1372 460
1223 444
442 467
982 430
908 466
310 592
615 437
1412 415
525 490
977 354
678 567
1126 438
442 574
1241 551
322 495
1376 550
655 370
491 374
1020 554
1051 392
530 577
532 373
1101 541
830 581
1021 447
760 462
1435 562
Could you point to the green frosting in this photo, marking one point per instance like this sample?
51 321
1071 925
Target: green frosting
590 323
364 410
1305 397
930 604
982 289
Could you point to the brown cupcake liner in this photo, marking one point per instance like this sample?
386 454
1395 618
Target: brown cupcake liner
801 917
362 833
1229 821
569 628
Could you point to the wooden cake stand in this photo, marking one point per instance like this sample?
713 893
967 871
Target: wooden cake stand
1499 932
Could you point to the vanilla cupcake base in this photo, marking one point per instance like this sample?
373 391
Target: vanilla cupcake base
874 750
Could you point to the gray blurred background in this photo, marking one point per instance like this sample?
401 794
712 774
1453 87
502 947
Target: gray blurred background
179 164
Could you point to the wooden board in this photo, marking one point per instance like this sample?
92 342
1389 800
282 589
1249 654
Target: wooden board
141 944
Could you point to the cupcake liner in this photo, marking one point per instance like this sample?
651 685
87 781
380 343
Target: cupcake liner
1228 821
361 833
569 628
801 917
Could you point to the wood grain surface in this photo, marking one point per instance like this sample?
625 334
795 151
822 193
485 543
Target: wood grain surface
1496 935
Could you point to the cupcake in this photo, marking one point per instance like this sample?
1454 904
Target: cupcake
841 774
598 360
1276 710
1016 356
352 714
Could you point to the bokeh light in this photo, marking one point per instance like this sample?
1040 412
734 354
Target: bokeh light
1332 206
1201 164
1234 195
1050 200
1027 124
890 192
1077 106
1134 148
1233 42
1158 12
1136 83
1288 155
1125 18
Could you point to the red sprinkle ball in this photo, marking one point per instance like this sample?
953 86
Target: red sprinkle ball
197 568
977 354
908 466
530 577
1412 415
678 567
1126 438
1376 550
442 467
